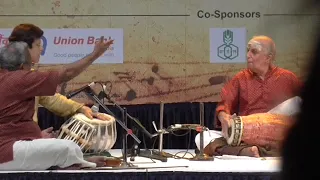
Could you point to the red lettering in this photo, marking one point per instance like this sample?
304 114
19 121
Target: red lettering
91 40
3 40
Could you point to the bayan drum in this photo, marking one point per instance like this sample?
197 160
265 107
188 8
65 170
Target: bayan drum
92 135
261 129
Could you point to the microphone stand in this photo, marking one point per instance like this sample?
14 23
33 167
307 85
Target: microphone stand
201 156
160 154
135 150
161 127
125 140
126 131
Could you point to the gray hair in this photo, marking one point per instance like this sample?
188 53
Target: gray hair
13 55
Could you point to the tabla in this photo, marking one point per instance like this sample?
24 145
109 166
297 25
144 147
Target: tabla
262 129
92 135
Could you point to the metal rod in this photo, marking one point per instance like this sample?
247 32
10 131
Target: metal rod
124 137
202 125
161 127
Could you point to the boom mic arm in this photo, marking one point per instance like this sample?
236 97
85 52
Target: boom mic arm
71 94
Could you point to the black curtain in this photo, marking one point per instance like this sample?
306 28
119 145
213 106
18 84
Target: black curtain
177 113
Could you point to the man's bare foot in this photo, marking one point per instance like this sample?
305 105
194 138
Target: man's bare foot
250 151
103 161
99 160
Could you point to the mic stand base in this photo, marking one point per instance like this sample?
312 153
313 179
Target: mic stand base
162 153
146 153
125 164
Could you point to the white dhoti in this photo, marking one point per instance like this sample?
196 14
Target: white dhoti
208 137
41 154
289 107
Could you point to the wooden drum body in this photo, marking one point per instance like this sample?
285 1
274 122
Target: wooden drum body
261 129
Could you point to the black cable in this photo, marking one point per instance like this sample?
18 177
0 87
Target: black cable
187 151
102 90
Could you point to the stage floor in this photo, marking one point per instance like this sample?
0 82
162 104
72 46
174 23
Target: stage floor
233 164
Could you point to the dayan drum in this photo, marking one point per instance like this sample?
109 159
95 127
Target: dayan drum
262 129
92 135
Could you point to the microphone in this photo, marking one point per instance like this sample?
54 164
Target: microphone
103 95
95 108
70 95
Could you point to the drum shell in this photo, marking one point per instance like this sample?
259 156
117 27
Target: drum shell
104 137
262 129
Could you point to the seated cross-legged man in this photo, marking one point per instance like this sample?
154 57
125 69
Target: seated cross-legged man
22 146
260 88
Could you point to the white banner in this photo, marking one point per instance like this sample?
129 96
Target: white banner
62 46
228 45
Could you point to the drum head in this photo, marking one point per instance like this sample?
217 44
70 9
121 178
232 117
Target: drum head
93 121
235 131
231 131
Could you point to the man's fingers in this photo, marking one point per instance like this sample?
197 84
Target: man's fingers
48 130
99 116
103 117
89 115
109 43
102 39
55 134
94 114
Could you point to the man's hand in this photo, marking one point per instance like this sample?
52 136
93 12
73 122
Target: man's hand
101 46
104 117
225 120
49 133
88 112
